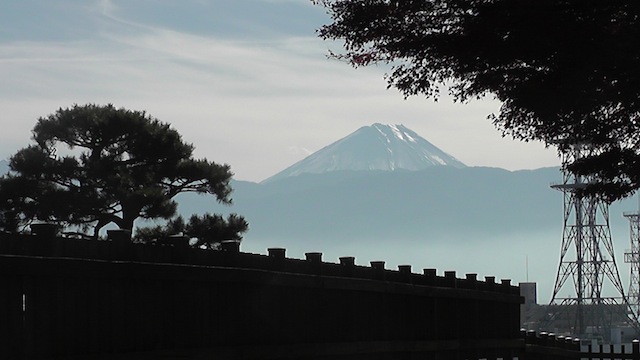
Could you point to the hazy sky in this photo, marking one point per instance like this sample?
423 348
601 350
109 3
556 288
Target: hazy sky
246 81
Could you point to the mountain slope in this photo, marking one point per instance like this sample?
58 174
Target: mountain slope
343 205
375 147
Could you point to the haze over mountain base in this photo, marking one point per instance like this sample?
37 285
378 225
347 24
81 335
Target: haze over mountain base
478 220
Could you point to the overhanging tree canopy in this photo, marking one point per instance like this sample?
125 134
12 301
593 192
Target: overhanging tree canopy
566 71
120 165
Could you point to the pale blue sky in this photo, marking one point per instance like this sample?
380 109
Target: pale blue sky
246 81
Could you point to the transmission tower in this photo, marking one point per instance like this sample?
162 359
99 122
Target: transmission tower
591 306
632 257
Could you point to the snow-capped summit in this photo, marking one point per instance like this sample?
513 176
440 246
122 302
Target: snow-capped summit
375 147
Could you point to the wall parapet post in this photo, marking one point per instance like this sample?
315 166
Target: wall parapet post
506 286
277 253
179 241
405 272
378 270
315 261
230 246
430 276
472 281
347 261
313 257
45 230
119 235
450 278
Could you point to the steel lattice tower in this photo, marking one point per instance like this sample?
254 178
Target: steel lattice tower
587 260
632 257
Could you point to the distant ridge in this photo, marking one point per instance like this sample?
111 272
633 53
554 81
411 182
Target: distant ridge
375 147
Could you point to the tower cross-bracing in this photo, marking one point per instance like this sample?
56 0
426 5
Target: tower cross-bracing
633 258
588 296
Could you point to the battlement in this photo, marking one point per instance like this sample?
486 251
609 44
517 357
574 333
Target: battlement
175 250
69 297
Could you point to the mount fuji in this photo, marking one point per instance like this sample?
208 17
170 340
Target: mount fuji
376 147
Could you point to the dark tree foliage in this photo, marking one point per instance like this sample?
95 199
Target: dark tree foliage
208 230
148 235
13 192
94 165
566 71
